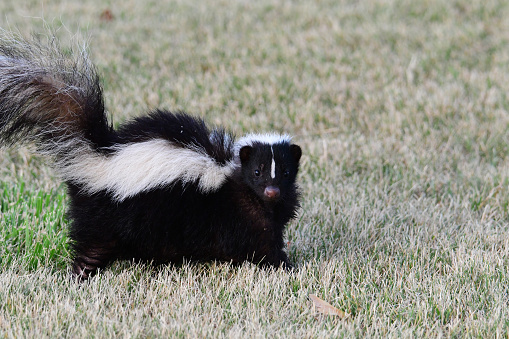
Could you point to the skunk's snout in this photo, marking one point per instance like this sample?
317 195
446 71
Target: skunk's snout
272 192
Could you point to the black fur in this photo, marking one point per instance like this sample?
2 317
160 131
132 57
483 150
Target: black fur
238 222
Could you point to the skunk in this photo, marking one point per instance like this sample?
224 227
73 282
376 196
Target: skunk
160 188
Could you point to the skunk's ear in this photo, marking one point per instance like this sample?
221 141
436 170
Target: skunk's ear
245 153
296 152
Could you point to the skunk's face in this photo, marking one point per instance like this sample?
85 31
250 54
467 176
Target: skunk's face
270 170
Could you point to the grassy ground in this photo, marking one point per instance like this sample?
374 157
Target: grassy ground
402 110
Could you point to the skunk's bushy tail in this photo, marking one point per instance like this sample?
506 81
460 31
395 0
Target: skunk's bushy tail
54 100
50 98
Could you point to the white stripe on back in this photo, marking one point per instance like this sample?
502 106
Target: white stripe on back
140 167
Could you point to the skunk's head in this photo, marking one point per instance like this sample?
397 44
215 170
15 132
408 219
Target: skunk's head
269 165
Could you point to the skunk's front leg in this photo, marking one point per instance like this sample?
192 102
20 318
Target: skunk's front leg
281 260
276 259
285 261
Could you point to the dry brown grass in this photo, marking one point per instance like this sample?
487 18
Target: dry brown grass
402 111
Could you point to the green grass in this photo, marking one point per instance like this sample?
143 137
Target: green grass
32 227
402 111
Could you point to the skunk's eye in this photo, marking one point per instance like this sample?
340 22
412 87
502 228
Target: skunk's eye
286 173
257 172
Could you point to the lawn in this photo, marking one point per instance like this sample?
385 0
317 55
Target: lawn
402 111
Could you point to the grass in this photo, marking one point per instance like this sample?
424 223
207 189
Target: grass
21 210
402 110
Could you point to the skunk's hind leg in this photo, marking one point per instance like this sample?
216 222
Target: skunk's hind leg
88 259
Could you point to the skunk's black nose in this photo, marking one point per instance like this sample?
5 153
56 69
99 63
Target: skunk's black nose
272 192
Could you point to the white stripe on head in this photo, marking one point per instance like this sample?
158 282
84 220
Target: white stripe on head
272 165
268 138
140 167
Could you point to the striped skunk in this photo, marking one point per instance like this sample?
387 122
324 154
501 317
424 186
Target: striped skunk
161 187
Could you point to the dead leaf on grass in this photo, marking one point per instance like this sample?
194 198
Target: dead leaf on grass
106 15
325 308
